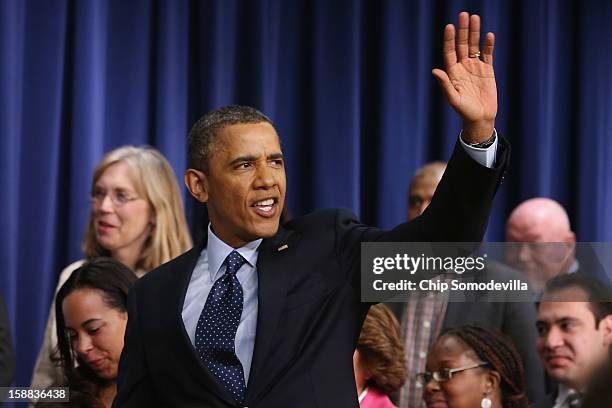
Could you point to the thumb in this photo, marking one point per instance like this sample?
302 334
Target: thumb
447 87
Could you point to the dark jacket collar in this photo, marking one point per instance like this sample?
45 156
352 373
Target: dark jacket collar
273 271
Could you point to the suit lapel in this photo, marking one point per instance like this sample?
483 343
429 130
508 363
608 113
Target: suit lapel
274 272
177 290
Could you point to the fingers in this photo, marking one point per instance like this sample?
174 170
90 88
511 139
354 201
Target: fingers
487 51
448 49
462 35
474 35
447 87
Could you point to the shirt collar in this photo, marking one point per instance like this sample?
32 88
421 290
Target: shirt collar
219 250
363 394
564 392
574 267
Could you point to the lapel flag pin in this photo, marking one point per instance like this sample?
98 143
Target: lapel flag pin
282 248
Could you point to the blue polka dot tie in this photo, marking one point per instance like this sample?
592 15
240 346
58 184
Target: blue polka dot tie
216 329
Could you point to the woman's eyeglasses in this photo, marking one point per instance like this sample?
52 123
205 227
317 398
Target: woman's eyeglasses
444 374
118 198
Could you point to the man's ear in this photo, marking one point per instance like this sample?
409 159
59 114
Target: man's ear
197 184
605 325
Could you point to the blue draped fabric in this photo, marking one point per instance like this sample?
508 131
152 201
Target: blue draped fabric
348 84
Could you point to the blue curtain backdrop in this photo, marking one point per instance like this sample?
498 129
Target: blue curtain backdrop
348 84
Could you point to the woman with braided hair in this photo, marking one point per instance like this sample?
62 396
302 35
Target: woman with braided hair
470 367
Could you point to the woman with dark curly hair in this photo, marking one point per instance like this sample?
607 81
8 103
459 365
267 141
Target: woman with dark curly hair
379 359
473 367
91 313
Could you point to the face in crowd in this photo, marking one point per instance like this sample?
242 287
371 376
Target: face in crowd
95 330
122 217
466 387
543 245
571 342
244 184
422 188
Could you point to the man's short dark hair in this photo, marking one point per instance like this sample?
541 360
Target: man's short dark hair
203 134
599 294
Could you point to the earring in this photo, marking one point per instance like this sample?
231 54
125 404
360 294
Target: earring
485 402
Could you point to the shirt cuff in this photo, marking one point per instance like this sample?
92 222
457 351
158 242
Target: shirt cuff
485 156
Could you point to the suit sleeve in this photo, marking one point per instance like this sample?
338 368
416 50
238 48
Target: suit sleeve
134 384
459 210
519 325
7 357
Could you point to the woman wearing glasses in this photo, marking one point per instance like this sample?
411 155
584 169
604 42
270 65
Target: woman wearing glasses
472 367
136 218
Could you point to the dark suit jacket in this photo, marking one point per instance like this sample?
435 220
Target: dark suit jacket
310 313
546 402
7 356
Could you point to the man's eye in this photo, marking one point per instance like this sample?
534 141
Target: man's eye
567 326
414 201
277 163
245 165
541 330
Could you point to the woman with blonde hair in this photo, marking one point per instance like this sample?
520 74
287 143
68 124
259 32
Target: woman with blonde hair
136 218
378 360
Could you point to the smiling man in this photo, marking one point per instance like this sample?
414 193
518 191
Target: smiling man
263 315
574 334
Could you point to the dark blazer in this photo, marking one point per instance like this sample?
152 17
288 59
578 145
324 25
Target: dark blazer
310 313
546 402
7 356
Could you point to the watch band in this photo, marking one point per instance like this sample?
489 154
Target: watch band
483 145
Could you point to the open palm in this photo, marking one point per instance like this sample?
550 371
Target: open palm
469 79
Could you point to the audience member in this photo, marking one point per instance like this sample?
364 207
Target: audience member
136 217
473 367
423 186
599 391
379 359
91 315
574 334
544 244
7 356
426 314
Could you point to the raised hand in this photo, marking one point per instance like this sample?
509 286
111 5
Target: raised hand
468 80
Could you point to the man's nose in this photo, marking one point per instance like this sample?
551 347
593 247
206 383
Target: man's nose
265 177
523 252
553 338
423 206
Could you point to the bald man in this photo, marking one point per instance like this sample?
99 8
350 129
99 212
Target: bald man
545 244
425 315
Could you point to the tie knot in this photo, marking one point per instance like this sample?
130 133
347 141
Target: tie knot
575 400
233 262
